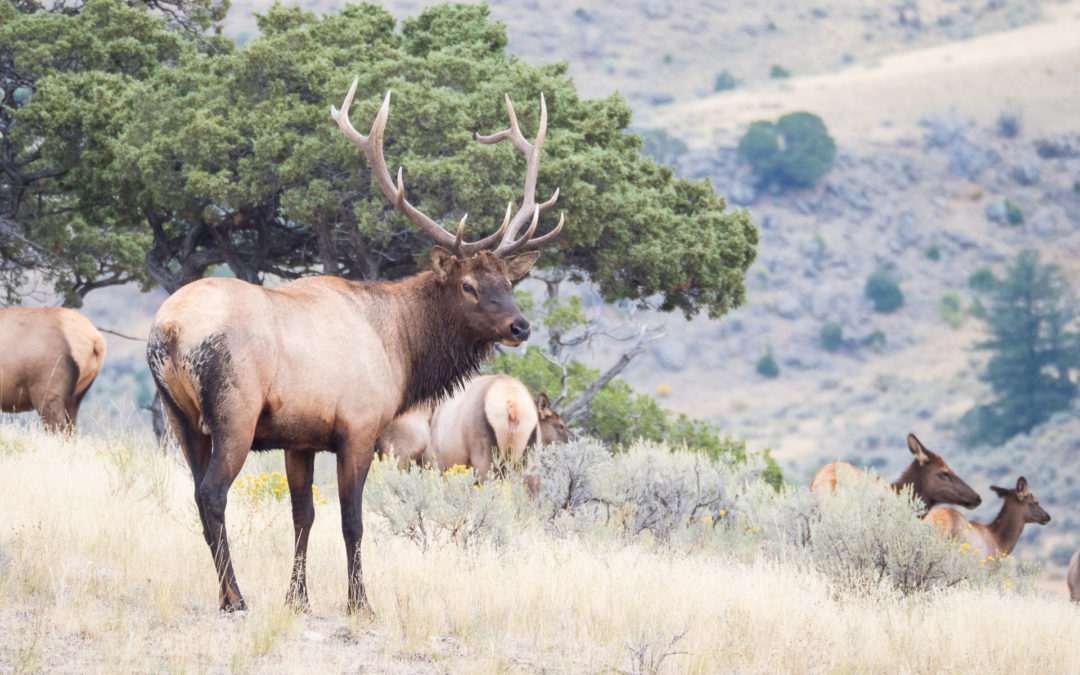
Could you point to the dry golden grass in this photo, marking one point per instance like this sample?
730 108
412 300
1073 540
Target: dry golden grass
103 568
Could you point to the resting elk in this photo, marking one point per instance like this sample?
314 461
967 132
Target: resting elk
323 363
1074 577
552 427
491 414
49 359
1019 508
930 478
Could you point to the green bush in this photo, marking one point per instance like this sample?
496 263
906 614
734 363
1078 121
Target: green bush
883 290
767 366
832 336
933 252
950 307
1014 215
725 81
982 280
793 153
778 72
875 340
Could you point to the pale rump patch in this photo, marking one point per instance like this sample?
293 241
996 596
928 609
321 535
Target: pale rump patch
510 411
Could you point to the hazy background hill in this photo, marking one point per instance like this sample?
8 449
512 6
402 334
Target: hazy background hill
912 92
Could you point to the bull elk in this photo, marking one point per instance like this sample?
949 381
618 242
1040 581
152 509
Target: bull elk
930 478
1074 577
323 363
50 357
1019 508
491 414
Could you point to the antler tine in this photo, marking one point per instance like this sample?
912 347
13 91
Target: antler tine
373 150
513 133
469 248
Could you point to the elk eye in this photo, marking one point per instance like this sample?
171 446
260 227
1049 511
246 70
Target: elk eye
944 475
468 288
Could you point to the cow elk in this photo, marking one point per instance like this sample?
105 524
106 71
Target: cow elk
552 427
323 363
49 359
492 421
930 478
406 439
1019 508
1074 577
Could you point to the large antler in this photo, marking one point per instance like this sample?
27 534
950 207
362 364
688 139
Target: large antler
373 150
529 207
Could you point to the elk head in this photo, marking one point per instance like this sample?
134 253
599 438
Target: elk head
938 482
552 427
474 276
1029 505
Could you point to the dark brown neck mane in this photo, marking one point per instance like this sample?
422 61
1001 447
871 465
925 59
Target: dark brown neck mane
913 477
439 352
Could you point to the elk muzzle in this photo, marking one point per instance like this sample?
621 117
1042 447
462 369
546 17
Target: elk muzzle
517 331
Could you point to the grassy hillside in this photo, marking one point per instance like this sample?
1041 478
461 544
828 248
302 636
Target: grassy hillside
103 567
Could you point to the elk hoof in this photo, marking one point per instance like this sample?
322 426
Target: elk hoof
239 607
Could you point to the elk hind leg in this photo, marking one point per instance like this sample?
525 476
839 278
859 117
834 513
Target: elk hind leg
300 471
230 449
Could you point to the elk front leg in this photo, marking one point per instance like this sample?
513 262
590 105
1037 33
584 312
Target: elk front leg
353 462
300 470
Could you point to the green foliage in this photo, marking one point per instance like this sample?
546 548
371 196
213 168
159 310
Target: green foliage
883 290
793 153
178 158
951 309
1014 215
617 414
767 366
778 72
725 81
875 340
933 252
832 336
977 309
1033 351
982 280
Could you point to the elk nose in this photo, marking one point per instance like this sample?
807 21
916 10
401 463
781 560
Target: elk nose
519 329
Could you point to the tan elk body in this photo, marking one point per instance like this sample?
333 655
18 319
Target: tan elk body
1018 508
49 357
930 478
323 363
406 438
491 413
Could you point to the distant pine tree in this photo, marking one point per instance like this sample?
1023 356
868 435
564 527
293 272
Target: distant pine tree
1031 318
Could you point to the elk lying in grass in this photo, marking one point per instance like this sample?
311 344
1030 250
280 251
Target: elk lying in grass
50 357
323 363
491 414
1019 508
930 478
1074 577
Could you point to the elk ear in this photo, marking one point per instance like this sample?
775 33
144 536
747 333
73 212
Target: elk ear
442 263
1000 491
919 450
518 266
1021 484
542 402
